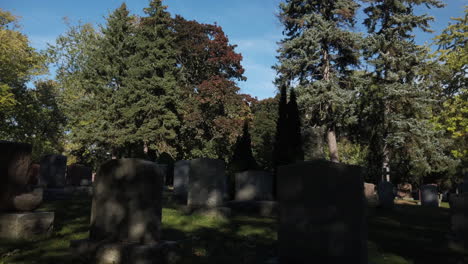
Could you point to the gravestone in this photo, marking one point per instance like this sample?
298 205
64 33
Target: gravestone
17 197
313 139
53 169
181 178
459 218
386 195
207 183
164 171
371 194
76 173
254 185
429 195
322 213
464 185
34 171
126 214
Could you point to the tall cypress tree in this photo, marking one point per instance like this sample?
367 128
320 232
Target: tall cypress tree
153 111
398 98
242 158
317 54
296 152
281 150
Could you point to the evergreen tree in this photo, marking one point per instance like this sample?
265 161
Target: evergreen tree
317 54
243 158
281 150
152 109
398 97
295 146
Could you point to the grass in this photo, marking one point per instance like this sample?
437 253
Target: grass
408 234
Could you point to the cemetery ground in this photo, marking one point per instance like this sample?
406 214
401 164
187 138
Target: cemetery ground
407 234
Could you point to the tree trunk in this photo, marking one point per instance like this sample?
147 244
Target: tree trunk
332 146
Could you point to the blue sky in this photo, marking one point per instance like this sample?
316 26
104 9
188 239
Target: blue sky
251 24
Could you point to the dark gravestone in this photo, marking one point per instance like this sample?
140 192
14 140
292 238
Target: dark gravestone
76 173
429 195
53 169
34 170
254 185
459 218
181 178
207 183
127 202
322 213
164 169
386 195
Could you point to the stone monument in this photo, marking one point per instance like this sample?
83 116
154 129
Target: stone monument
254 185
17 198
207 183
53 169
429 195
126 215
76 173
322 213
459 218
181 179
386 194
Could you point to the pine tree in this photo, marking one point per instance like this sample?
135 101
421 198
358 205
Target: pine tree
317 54
152 111
398 98
281 150
296 152
243 158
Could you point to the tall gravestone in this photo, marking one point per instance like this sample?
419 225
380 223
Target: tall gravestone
254 185
181 178
322 213
386 194
207 183
126 214
77 173
18 199
53 169
429 195
459 218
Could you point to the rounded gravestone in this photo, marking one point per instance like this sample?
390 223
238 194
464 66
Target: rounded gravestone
127 198
386 195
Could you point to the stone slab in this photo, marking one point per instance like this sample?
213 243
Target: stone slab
207 183
53 171
459 218
181 179
127 202
254 185
88 251
386 194
322 213
429 195
19 226
258 208
76 173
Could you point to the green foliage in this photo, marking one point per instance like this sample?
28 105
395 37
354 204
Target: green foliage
280 152
263 130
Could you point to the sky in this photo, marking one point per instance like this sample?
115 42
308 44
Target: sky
250 24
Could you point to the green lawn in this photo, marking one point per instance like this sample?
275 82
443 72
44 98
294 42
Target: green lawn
409 234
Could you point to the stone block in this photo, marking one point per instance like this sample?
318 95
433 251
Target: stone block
181 178
164 169
53 170
34 171
76 173
429 195
254 185
258 208
18 226
127 197
207 183
322 213
386 194
459 218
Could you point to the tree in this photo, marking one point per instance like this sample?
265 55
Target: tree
281 149
242 158
212 110
295 145
263 129
317 54
398 98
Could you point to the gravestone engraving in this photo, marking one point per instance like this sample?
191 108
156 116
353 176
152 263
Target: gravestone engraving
322 213
76 173
53 169
207 183
429 195
386 195
181 178
254 185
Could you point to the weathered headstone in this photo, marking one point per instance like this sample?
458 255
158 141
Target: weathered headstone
404 190
76 173
181 178
386 195
322 213
371 194
126 214
53 169
164 171
429 195
254 185
34 171
207 183
459 218
17 198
